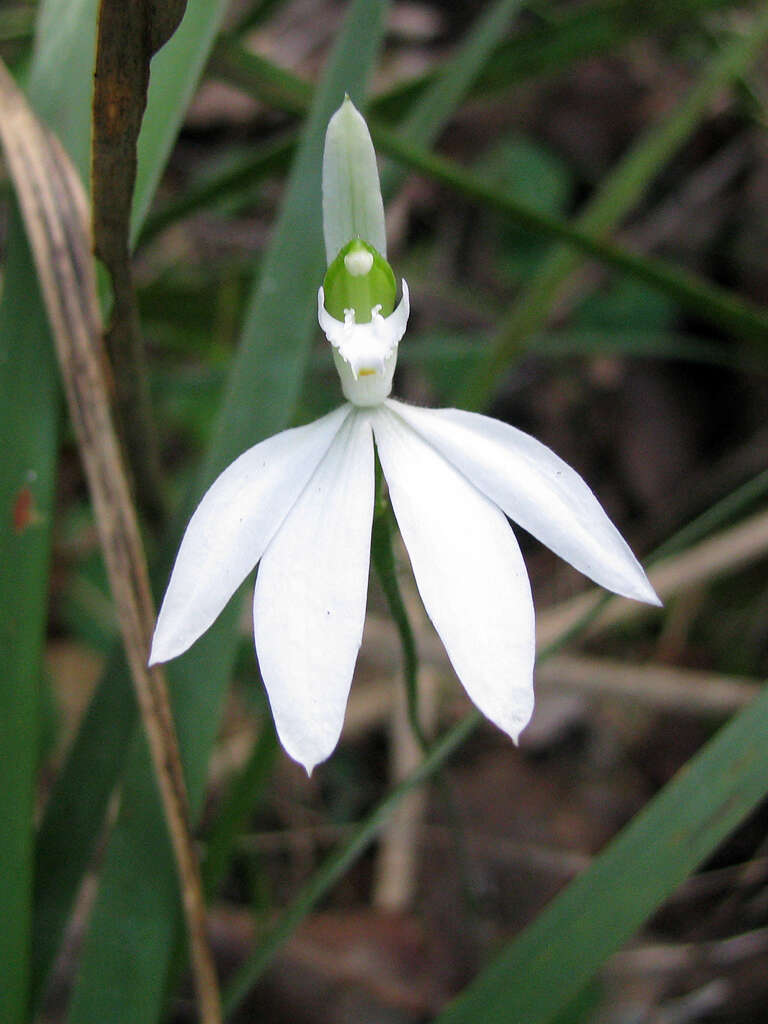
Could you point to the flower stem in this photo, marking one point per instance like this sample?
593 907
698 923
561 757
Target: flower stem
336 863
384 529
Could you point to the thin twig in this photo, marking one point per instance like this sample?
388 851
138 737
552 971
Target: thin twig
656 686
126 38
660 686
55 212
397 861
724 553
663 958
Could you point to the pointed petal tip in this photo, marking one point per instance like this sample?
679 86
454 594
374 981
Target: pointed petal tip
642 590
166 645
512 725
536 489
517 727
310 596
155 658
159 652
308 760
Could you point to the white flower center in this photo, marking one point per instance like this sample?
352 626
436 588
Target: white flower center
365 355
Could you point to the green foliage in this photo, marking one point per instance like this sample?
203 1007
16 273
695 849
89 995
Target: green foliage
29 433
232 364
554 958
28 430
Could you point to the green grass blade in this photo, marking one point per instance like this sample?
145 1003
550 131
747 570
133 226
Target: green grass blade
72 823
568 37
334 867
347 852
429 115
614 198
689 290
65 39
29 409
245 791
276 86
175 74
461 353
562 950
137 910
565 37
243 175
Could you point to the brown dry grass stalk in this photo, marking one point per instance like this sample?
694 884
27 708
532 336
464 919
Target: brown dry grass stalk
710 559
55 212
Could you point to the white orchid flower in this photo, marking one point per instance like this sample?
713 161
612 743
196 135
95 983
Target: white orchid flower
301 505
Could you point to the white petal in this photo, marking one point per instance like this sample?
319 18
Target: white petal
309 605
352 206
469 572
537 490
232 526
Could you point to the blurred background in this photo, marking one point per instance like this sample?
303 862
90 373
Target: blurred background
659 405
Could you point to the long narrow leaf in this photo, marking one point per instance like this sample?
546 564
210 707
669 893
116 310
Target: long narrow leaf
28 433
561 951
28 429
176 71
430 113
566 38
553 44
72 823
65 39
616 196
688 289
349 850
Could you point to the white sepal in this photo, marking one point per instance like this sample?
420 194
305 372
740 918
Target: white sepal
365 354
536 489
352 205
469 571
232 526
309 602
